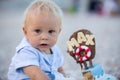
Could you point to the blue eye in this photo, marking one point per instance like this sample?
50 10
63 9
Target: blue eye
37 30
51 31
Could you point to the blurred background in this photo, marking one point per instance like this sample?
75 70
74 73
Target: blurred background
102 17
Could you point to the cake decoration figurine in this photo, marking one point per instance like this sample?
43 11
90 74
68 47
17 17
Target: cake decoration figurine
81 46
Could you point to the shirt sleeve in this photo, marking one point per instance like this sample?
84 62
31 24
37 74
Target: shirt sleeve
26 57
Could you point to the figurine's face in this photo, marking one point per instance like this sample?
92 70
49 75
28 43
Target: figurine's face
82 53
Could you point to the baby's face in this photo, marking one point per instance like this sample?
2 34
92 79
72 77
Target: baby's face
42 31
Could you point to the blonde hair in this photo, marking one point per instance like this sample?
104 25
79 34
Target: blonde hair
38 5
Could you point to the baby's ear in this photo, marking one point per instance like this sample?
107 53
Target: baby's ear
60 30
24 30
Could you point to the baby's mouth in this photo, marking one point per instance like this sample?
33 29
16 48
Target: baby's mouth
43 45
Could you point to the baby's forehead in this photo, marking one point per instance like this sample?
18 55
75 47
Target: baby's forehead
43 17
43 14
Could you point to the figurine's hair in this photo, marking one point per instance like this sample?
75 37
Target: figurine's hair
38 5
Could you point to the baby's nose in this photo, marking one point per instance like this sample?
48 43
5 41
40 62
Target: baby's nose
44 36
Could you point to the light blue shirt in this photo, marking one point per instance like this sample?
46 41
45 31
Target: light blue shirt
27 55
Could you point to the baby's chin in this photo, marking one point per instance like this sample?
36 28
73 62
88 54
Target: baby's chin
46 50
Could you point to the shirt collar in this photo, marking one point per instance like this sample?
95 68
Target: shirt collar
22 44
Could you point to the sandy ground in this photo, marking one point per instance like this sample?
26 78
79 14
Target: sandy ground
106 30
